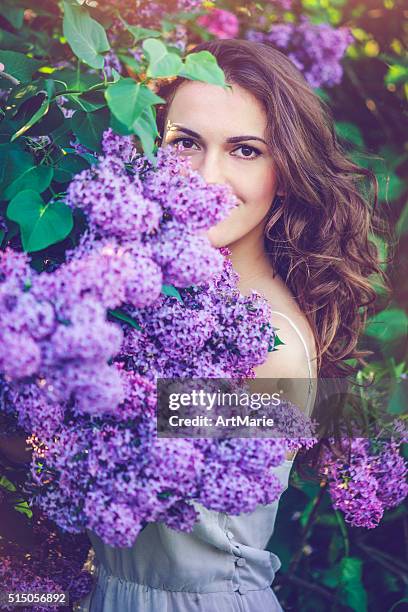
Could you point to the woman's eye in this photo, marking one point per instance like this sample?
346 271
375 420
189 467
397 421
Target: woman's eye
247 151
183 143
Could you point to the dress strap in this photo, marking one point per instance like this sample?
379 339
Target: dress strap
295 327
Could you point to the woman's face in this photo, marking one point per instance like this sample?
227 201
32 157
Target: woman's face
222 132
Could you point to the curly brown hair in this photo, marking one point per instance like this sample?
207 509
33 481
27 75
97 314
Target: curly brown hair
319 235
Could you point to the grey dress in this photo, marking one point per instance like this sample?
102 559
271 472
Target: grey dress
221 566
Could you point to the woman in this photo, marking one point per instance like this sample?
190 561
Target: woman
299 236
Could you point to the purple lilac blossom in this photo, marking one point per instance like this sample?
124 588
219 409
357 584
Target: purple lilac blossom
111 62
315 49
370 481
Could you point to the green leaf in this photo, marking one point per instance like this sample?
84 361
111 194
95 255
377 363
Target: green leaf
352 591
122 316
171 291
146 130
11 41
37 178
137 97
162 63
14 15
41 224
75 79
24 508
86 37
388 325
52 120
119 128
141 33
13 162
7 484
402 224
19 65
43 110
349 132
277 341
202 66
89 127
68 167
397 403
88 101
21 93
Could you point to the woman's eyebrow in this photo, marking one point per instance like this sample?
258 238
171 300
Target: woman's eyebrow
232 139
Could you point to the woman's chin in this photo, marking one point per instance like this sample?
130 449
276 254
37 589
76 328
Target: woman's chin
217 239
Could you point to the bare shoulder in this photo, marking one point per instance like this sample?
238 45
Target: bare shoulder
289 359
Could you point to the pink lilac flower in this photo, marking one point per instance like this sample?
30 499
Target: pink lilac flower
221 23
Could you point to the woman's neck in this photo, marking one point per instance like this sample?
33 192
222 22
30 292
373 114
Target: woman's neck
249 259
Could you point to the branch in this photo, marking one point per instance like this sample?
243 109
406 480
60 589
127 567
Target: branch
309 586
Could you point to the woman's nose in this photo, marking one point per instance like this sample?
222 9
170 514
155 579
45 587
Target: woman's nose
210 168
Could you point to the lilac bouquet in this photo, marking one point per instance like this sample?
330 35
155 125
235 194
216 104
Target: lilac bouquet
144 295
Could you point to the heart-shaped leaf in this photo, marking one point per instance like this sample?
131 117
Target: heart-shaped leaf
89 127
136 96
41 224
43 110
202 66
162 63
70 165
86 37
37 178
19 65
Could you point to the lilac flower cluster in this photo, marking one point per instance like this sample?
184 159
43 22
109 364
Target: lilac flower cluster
371 480
315 49
224 335
54 333
221 23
